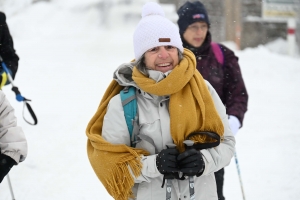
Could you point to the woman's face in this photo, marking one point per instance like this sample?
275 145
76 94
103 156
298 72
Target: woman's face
162 58
195 33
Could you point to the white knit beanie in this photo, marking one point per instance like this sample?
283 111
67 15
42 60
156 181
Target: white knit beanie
154 30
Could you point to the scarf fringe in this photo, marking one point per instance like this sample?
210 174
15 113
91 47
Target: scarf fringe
121 182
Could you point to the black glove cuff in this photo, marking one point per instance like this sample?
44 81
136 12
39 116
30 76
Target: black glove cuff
200 172
6 161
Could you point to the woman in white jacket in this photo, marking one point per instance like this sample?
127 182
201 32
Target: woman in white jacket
13 143
173 101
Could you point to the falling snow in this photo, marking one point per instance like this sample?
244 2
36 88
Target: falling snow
66 62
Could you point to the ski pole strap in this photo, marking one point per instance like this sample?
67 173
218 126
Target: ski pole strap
20 98
212 135
30 112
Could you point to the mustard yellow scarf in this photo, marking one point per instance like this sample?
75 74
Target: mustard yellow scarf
191 109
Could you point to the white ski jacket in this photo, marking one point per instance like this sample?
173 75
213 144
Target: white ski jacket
154 121
12 139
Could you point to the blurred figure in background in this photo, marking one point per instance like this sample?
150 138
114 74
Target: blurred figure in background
13 144
7 52
217 64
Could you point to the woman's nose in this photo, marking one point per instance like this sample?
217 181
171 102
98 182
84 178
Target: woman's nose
163 53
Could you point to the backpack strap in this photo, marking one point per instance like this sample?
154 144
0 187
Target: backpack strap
217 49
129 103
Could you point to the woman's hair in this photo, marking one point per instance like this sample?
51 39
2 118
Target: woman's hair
141 66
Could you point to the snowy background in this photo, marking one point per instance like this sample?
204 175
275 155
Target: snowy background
68 52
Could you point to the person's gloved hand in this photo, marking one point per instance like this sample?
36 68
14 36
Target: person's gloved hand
6 163
234 124
191 162
166 161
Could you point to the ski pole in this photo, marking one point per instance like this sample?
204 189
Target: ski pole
189 144
169 182
10 187
239 173
19 97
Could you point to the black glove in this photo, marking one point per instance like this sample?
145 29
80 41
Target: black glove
6 163
191 162
166 161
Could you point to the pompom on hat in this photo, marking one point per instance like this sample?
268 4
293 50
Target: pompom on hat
154 30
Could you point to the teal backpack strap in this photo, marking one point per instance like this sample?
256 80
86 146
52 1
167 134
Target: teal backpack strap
129 103
217 49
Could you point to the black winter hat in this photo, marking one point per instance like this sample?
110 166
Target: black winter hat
189 13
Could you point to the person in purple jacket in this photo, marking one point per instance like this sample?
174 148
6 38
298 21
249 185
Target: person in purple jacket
225 77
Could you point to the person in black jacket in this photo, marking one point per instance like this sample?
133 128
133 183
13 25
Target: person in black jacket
13 143
7 52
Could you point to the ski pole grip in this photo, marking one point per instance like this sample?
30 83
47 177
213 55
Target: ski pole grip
188 143
19 97
171 146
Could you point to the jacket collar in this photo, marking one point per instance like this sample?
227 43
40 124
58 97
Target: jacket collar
156 76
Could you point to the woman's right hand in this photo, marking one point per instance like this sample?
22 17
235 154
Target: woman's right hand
166 161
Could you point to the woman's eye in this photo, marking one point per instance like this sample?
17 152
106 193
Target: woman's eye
153 49
170 47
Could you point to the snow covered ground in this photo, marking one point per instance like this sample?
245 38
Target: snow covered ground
66 62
